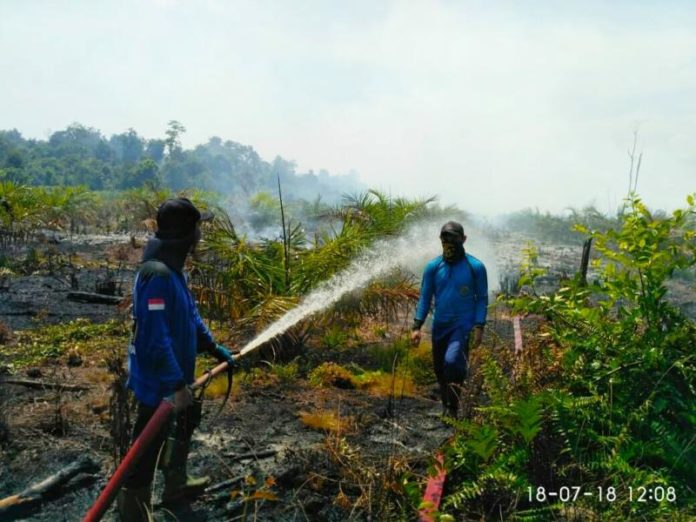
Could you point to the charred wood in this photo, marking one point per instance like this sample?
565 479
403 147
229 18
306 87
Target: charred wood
89 297
44 385
585 260
19 505
224 484
252 455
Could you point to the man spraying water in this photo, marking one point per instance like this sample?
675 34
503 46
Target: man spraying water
458 282
168 334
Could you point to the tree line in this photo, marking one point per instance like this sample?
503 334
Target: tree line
81 155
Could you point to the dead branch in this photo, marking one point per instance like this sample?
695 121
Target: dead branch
585 261
18 505
224 484
43 385
89 297
252 455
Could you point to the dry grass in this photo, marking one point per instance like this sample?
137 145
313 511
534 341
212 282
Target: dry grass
423 353
419 363
379 383
54 415
367 484
327 420
385 384
98 376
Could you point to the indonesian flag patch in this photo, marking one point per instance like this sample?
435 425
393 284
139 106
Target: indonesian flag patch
155 304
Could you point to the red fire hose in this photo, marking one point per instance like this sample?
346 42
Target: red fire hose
433 491
145 438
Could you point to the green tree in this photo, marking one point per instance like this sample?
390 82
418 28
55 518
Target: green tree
155 150
128 146
173 140
145 173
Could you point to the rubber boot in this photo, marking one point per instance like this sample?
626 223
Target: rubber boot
178 485
444 397
453 399
135 504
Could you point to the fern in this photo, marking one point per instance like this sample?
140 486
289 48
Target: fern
528 416
618 412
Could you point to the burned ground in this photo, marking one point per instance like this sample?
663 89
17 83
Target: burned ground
298 450
316 473
327 452
36 291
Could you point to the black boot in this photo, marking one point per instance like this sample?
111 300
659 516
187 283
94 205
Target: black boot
178 485
135 504
444 397
453 392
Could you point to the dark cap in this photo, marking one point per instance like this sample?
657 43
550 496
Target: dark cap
453 230
178 218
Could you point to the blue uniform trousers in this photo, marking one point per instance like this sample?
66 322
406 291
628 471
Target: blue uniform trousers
450 359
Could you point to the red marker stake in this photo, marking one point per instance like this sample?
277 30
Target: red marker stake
518 334
433 491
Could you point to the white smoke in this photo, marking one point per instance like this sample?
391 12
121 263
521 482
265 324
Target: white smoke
411 250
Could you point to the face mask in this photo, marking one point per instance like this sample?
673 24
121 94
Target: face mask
452 251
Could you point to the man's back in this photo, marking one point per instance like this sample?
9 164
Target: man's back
165 341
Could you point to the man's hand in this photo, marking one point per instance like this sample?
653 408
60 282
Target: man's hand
478 336
416 337
183 398
223 354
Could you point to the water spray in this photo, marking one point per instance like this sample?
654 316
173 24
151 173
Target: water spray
410 250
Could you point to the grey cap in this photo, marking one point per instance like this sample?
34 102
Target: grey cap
452 229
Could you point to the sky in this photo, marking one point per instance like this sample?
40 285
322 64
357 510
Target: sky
492 106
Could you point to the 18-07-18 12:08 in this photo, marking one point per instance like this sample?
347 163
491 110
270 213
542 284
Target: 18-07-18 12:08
608 494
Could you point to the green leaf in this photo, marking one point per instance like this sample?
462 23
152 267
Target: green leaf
483 442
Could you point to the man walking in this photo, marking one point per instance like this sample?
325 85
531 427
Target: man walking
168 333
458 282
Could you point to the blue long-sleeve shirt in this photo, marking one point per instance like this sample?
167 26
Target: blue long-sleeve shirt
460 292
168 334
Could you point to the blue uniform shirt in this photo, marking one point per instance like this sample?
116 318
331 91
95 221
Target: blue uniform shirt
168 333
460 291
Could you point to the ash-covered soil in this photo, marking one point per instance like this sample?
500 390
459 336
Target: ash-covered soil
38 294
35 300
306 477
562 261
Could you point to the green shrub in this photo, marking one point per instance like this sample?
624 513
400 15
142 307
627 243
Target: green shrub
335 337
386 356
619 413
287 373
